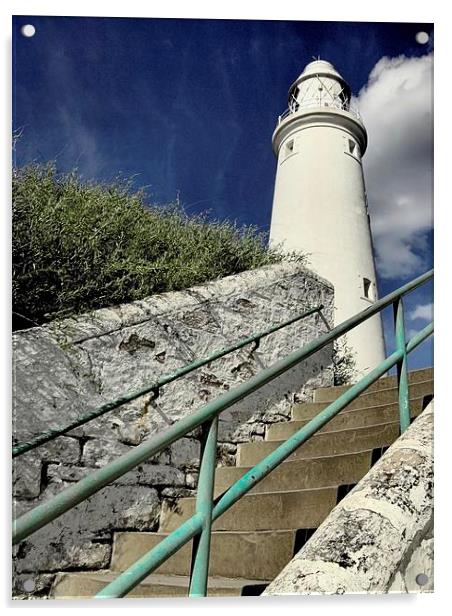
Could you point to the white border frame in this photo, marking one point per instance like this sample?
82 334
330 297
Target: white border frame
328 10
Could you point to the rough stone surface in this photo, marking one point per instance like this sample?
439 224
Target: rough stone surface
33 586
68 367
378 538
417 574
29 468
185 452
82 537
144 474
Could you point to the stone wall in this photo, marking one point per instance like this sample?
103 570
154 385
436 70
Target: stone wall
70 366
379 538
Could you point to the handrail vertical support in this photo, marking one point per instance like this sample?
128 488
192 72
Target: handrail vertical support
204 504
402 367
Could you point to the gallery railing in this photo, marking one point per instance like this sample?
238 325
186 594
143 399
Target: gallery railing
296 107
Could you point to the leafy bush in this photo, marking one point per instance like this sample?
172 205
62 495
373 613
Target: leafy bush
78 246
344 362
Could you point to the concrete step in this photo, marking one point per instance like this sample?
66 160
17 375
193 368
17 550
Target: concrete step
267 511
379 396
415 376
366 401
327 443
84 585
386 413
257 555
318 472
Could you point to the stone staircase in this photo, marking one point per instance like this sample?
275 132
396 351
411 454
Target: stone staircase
260 534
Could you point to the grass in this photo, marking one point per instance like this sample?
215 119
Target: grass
78 246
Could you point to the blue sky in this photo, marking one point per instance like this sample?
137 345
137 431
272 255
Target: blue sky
188 107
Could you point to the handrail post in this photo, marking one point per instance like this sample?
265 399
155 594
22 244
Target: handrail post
204 504
402 367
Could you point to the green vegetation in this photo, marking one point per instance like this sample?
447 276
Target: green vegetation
78 246
344 362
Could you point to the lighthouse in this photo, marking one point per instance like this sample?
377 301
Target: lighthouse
320 204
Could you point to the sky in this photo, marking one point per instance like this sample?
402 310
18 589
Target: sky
187 109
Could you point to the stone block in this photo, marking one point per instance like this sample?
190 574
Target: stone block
71 539
185 452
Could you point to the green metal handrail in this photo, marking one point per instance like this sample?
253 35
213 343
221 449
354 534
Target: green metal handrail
126 581
49 435
207 508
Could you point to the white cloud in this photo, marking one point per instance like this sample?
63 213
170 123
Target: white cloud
421 311
397 109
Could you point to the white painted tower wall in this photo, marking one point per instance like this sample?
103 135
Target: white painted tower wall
320 204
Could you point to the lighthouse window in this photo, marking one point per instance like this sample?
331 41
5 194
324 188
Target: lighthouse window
367 288
287 150
351 147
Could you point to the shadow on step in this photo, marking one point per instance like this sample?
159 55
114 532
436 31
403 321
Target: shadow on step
254 590
302 536
377 453
343 490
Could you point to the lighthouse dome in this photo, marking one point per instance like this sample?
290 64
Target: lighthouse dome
320 67
319 85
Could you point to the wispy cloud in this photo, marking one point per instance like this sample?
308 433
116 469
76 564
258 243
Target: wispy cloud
396 105
421 311
80 142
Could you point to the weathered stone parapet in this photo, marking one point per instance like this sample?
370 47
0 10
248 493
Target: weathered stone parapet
415 573
378 539
67 367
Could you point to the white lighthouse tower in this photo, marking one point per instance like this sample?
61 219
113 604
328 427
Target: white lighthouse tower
320 204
